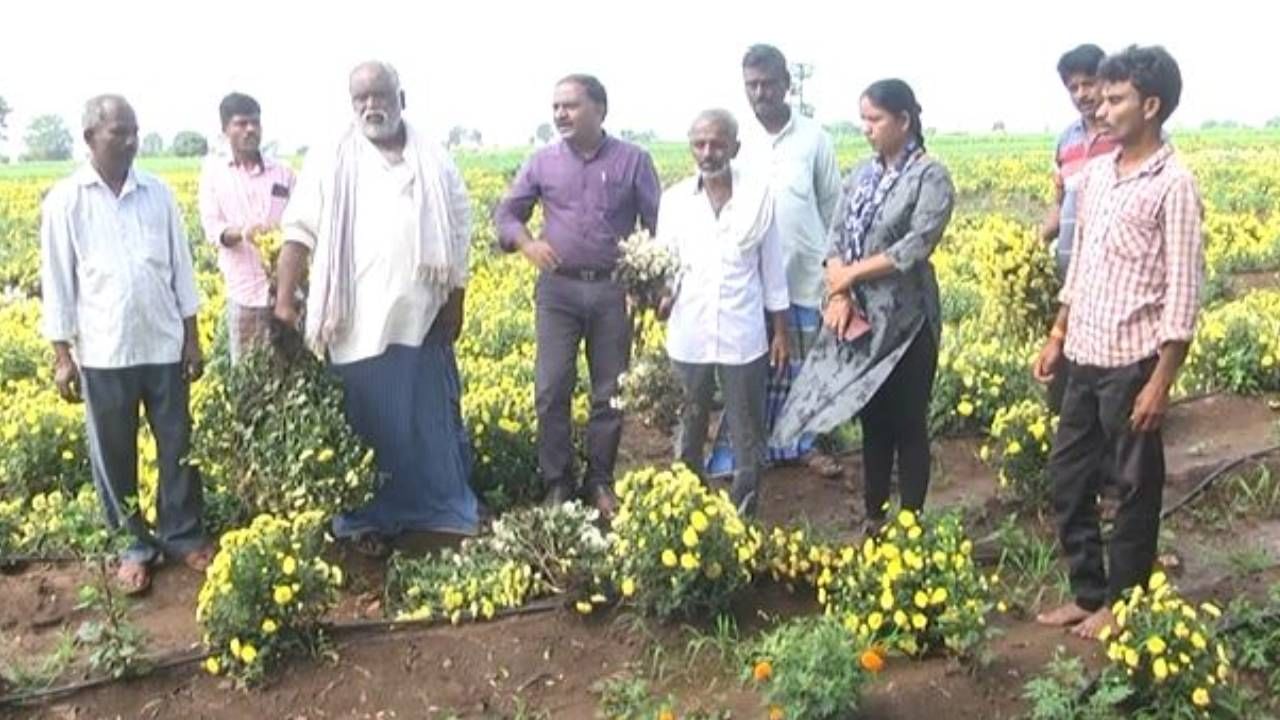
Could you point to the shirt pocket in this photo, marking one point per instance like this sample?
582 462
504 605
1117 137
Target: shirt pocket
153 247
1134 234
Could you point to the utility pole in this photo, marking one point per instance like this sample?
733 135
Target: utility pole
799 73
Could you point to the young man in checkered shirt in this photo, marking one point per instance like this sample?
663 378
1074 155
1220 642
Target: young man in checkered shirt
1128 313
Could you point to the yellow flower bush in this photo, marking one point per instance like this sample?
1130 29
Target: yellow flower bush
979 373
1166 651
1237 347
914 588
265 594
1018 448
55 523
681 548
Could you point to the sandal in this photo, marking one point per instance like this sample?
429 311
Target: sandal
825 466
133 578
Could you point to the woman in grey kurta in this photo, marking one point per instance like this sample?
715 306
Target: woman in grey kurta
893 211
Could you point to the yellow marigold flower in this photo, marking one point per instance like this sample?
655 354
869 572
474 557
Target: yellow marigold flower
886 600
269 626
282 594
669 558
583 607
1156 645
921 599
1131 657
1198 641
906 518
235 647
1200 697
689 561
289 565
875 621
628 587
901 619
335 574
248 654
965 408
690 537
919 621
213 666
1160 669
1211 610
698 520
939 596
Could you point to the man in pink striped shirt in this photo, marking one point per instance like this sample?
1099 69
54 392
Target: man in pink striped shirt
1128 314
242 197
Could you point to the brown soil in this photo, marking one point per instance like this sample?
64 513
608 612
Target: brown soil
546 665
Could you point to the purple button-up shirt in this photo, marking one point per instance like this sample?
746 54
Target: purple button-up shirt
588 204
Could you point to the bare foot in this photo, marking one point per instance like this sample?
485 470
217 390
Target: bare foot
1064 616
133 578
1091 627
199 559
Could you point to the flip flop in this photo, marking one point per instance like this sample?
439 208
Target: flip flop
133 578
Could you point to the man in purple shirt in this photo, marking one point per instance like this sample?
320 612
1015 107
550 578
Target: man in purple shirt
593 188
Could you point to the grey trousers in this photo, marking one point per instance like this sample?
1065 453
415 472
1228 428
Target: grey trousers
743 388
569 311
112 397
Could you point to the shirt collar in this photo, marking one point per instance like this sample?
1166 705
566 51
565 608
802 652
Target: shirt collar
605 141
88 175
1151 166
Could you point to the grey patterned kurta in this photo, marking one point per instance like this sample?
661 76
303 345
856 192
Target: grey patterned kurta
838 381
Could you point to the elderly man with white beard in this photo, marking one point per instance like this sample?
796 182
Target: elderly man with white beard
720 224
384 216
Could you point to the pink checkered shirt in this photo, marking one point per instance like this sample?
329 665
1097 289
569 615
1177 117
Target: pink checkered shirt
1138 268
232 196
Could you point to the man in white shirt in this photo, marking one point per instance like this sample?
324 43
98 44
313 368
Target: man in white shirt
797 159
386 215
119 306
721 226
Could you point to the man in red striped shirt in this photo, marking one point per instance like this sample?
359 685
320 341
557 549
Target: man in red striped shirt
1128 314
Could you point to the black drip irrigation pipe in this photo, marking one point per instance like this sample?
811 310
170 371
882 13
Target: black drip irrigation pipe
345 629
1209 479
986 552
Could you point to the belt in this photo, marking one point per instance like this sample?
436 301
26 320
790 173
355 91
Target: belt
584 274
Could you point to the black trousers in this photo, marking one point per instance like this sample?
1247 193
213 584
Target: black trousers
895 424
1094 441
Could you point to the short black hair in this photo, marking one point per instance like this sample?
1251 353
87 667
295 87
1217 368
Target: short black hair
592 86
237 104
766 57
1082 60
1152 71
896 97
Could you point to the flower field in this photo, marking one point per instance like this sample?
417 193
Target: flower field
921 591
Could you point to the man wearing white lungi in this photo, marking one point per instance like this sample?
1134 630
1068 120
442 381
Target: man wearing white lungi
385 214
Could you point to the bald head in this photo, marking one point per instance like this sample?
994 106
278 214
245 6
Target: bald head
377 100
375 71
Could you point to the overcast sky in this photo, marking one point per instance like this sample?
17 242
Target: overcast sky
491 65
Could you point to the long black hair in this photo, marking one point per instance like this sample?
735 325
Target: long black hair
895 96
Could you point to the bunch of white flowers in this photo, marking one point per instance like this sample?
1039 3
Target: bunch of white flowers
646 269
